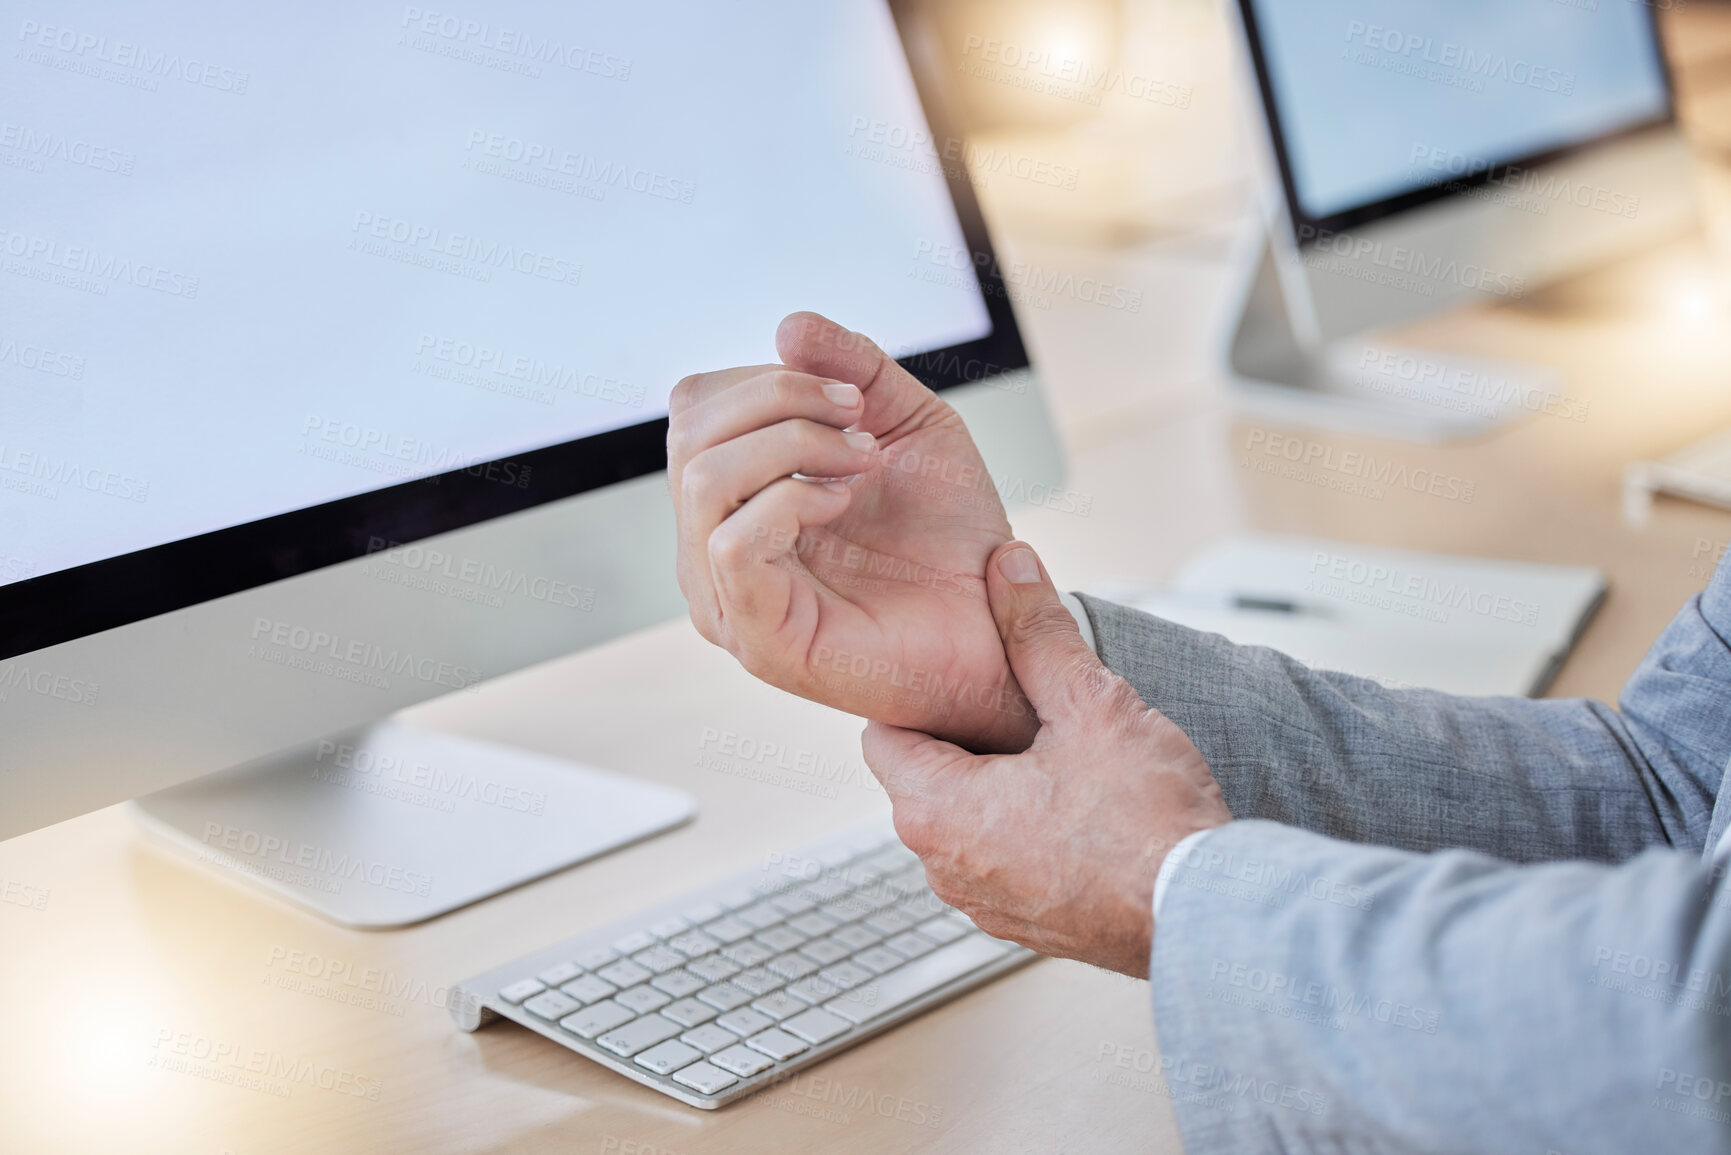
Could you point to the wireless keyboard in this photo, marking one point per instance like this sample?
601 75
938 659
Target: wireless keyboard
735 986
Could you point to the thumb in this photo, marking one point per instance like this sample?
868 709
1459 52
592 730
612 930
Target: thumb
817 345
1054 665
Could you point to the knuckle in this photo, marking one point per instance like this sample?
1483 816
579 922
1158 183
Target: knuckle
684 391
729 551
917 830
780 389
700 475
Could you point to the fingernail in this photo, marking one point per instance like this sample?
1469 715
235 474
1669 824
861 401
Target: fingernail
841 393
861 440
1020 566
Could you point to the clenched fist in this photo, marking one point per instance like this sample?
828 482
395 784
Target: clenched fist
835 520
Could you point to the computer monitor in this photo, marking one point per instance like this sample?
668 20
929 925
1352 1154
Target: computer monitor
1420 155
335 346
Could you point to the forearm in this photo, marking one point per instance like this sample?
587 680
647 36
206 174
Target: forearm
1419 770
1316 995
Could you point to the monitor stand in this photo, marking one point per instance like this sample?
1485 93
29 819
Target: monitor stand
1359 386
392 825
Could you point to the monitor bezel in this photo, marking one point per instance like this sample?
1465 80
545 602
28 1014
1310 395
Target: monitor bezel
62 606
1308 229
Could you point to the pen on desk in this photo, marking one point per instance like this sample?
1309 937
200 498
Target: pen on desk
1241 601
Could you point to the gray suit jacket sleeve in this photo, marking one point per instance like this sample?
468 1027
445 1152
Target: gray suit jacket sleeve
1521 779
1317 994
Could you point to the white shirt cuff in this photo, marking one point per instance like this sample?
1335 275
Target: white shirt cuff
1169 867
1074 605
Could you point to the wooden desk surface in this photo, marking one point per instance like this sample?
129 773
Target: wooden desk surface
130 942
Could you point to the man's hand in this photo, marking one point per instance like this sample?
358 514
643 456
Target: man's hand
1056 848
865 591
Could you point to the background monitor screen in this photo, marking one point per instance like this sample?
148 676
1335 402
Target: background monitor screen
1374 100
257 259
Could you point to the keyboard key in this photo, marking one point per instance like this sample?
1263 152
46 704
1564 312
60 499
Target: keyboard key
846 975
791 904
642 999
668 927
704 1078
591 1021
551 1005
911 945
678 983
595 957
776 1043
521 989
892 859
625 973
878 960
665 1058
779 1005
922 976
710 1038
888 923
813 925
757 981
825 951
816 1026
713 969
689 1012
560 973
698 915
729 929
742 1061
879 897
791 966
826 890
745 1021
694 944
781 938
749 954
737 897
634 942
590 989
724 996
856 937
814 989
917 910
941 930
639 1035
659 959
761 916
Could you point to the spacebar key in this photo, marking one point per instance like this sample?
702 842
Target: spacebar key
922 976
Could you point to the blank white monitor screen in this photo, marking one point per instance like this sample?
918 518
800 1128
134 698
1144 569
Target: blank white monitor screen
1378 98
257 258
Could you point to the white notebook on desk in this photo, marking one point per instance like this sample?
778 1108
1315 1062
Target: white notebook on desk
1459 624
